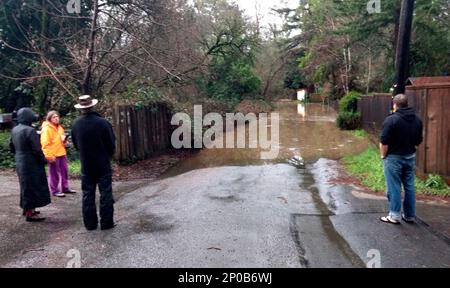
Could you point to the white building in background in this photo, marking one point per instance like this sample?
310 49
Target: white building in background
301 94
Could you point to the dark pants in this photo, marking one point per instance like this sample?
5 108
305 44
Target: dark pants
88 185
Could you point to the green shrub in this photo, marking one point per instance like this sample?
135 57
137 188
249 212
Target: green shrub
348 120
349 103
75 168
435 182
67 121
7 159
348 117
72 153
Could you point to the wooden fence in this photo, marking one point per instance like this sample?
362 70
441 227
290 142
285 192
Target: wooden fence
374 109
316 98
432 103
141 132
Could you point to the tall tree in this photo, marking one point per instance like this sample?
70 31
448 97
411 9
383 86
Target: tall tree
353 49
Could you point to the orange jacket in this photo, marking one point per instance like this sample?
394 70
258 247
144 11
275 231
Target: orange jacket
52 140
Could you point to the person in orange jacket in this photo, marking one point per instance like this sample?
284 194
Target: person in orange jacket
53 142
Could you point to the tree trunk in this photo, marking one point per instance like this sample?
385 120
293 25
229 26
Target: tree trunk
369 73
42 89
86 85
346 71
402 53
396 29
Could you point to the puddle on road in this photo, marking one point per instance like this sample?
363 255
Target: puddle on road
150 223
307 130
326 210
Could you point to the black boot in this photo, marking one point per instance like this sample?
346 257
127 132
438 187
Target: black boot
35 218
107 226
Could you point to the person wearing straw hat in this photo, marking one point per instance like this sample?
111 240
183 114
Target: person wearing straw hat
94 138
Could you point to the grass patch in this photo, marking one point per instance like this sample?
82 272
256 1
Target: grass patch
4 136
75 168
360 133
6 157
368 168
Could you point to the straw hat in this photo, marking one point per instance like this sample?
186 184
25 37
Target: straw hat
86 101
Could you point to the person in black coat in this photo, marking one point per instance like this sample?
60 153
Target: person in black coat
94 138
30 165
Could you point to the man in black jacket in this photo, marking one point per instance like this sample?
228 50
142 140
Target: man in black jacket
94 138
401 134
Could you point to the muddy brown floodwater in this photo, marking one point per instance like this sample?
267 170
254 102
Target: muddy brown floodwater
307 130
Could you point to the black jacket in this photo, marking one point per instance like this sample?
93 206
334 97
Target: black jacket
30 162
402 131
94 138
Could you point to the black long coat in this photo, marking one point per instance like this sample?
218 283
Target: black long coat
30 162
94 138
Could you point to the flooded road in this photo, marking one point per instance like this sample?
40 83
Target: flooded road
228 208
306 130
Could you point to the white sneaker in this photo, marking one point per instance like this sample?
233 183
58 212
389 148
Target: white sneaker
59 194
408 219
389 219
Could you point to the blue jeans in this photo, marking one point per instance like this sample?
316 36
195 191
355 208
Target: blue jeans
400 170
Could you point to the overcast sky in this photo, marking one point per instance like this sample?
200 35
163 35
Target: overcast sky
264 9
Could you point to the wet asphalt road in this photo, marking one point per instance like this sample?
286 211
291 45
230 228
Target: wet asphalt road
265 215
